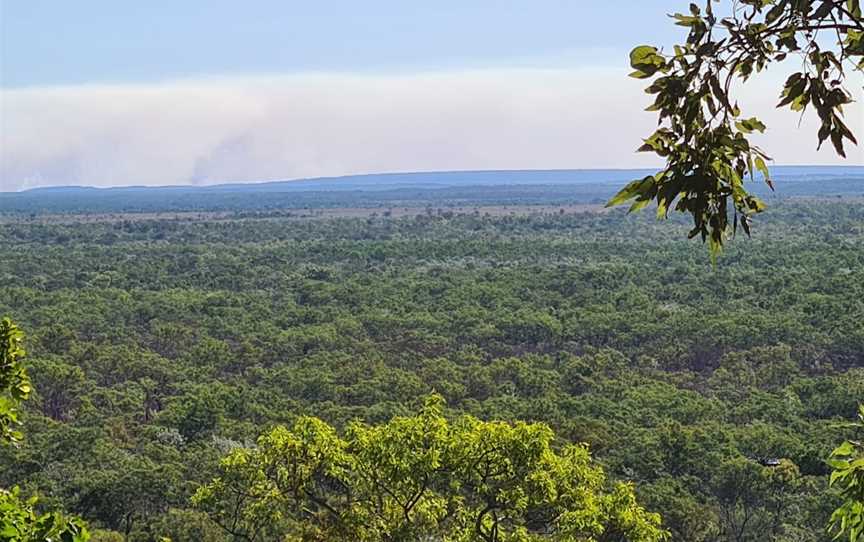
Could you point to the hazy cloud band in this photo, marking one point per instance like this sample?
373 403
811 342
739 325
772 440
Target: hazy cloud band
256 128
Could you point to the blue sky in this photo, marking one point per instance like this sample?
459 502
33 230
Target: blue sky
175 92
85 41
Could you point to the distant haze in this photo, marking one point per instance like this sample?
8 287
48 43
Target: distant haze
240 129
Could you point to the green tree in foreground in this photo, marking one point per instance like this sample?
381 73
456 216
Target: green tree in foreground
421 478
703 134
14 383
848 476
19 521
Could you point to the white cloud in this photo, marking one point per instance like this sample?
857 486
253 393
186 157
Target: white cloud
257 128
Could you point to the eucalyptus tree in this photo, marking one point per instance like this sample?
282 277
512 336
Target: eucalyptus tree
703 134
421 477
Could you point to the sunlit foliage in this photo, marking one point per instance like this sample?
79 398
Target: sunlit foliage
421 478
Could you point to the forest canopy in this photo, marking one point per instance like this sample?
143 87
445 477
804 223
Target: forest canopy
158 347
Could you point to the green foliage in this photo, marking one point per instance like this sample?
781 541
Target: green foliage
19 522
211 332
847 460
14 382
420 477
703 134
753 498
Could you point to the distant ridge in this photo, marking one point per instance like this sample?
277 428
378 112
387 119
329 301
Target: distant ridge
420 190
440 179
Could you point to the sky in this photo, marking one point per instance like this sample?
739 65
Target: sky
108 93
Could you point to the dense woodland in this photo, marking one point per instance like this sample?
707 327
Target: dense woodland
156 347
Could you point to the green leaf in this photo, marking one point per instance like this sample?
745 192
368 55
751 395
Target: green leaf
749 125
646 60
793 89
760 165
845 449
686 20
639 205
632 190
641 53
775 12
823 10
755 204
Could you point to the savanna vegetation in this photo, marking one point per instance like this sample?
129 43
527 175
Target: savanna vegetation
245 375
380 378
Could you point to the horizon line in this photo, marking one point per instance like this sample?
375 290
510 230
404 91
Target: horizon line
380 174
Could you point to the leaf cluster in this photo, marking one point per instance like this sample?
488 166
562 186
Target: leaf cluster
703 135
419 477
19 522
14 383
847 460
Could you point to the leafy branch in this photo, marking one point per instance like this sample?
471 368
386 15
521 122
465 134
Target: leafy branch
703 136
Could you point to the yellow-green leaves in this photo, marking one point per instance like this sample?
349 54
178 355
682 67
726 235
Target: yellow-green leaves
420 476
19 521
749 125
847 460
763 169
14 382
646 60
635 189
